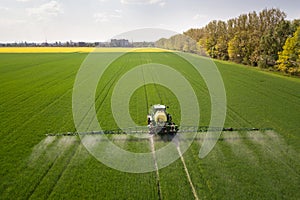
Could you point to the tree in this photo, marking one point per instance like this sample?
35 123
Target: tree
237 47
178 42
252 39
272 42
289 58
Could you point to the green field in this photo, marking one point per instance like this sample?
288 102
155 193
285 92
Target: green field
36 98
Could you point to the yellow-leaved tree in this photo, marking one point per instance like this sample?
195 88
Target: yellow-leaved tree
289 58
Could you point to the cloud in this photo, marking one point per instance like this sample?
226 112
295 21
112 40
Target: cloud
198 16
162 4
107 16
24 0
10 22
44 11
141 2
4 8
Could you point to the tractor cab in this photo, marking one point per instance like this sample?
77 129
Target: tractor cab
159 121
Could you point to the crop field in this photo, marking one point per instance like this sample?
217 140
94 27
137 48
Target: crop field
36 98
74 49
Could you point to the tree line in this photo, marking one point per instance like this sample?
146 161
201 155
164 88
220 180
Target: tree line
265 39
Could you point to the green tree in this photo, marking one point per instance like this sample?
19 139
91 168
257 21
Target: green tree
272 42
237 47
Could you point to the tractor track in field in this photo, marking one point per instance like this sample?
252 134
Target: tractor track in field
42 85
234 113
45 85
245 84
106 89
155 86
40 111
268 148
47 106
145 89
41 106
44 175
65 168
34 115
201 169
274 154
26 67
187 171
179 151
159 191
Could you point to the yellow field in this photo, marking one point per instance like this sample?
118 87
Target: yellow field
74 49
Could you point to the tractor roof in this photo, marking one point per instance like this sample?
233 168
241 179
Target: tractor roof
158 106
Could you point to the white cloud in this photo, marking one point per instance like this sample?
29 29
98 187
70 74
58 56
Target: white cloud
11 22
24 0
162 4
44 11
4 8
198 17
107 16
140 2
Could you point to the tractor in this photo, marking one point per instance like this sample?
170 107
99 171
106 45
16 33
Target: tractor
160 121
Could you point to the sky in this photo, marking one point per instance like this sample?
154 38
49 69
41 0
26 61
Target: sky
101 20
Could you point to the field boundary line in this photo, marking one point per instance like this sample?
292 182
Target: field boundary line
187 173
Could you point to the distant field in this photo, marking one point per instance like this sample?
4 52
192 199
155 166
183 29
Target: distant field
74 49
36 98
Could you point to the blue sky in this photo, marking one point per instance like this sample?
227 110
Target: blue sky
100 20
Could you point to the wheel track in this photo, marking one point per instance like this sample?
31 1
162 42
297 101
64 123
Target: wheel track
258 154
26 67
106 90
155 85
152 146
11 134
44 174
107 84
267 147
186 171
195 156
145 89
39 112
239 116
47 86
159 191
178 148
65 168
245 84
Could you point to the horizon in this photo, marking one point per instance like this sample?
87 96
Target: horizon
101 20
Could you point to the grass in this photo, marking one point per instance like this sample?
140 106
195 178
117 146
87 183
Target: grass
36 98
